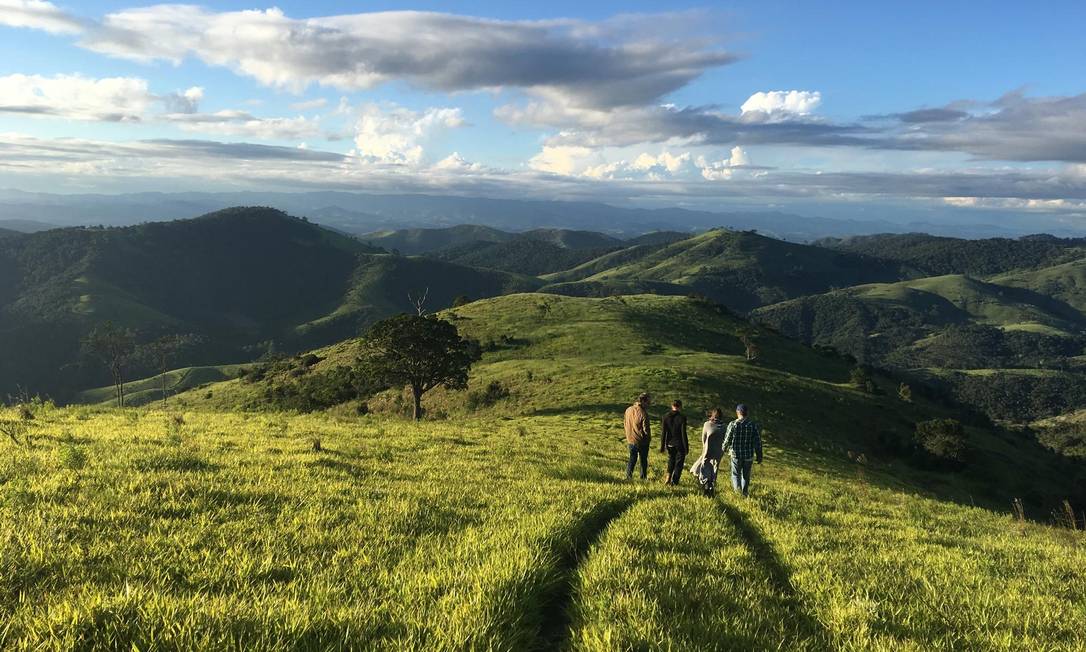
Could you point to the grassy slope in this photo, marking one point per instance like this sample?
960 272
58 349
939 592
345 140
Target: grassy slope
570 356
418 241
149 390
1066 282
744 270
229 531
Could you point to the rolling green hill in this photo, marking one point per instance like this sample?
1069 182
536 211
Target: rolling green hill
505 524
148 390
245 279
933 255
522 256
420 241
744 270
556 355
1065 282
954 323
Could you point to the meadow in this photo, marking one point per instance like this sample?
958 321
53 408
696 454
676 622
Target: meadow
157 531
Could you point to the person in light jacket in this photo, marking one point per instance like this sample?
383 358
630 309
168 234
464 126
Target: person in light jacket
712 449
636 425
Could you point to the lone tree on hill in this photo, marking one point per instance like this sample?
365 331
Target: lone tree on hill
749 335
114 346
161 352
422 352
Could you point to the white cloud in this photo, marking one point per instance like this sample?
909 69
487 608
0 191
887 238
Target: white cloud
625 61
561 159
187 101
456 163
240 123
38 14
398 136
780 105
725 168
112 99
309 105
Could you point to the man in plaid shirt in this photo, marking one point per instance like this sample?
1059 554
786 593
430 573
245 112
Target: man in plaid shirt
743 440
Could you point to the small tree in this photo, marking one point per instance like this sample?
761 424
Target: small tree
861 379
421 352
905 393
160 353
461 300
749 337
944 439
114 347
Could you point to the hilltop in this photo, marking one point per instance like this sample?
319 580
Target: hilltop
244 279
502 522
554 355
740 269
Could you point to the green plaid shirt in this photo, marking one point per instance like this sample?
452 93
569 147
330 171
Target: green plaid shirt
743 440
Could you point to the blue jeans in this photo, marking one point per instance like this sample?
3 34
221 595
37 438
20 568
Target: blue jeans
741 475
642 451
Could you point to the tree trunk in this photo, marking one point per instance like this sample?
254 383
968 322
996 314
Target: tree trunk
416 392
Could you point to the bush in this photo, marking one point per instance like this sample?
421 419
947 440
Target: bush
72 457
493 393
943 439
861 379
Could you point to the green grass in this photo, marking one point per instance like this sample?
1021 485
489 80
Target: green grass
148 390
230 531
510 528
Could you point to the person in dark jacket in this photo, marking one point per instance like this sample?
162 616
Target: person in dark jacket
675 442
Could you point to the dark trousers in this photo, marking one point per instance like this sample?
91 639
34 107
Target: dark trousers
636 450
741 475
675 459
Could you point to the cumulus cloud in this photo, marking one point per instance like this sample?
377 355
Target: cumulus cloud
629 60
112 99
397 135
38 14
780 105
187 101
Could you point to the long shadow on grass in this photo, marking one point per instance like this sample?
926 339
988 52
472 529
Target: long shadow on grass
806 626
557 604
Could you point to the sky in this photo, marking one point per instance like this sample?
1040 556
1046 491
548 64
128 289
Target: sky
946 110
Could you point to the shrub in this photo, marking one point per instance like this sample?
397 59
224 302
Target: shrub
861 379
493 393
72 457
943 439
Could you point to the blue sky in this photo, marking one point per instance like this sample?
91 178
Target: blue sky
938 107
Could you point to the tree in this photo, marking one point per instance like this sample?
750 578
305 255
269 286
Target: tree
749 337
161 352
460 300
421 352
944 439
114 347
861 379
905 393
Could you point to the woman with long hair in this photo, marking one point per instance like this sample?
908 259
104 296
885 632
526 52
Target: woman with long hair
712 448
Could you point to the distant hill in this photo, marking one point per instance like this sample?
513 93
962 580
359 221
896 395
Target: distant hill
25 226
932 255
1066 282
7 233
744 270
420 241
246 279
955 323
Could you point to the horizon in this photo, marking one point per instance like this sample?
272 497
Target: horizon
757 107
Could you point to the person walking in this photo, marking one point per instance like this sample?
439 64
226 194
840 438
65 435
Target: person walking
636 423
674 441
712 449
743 440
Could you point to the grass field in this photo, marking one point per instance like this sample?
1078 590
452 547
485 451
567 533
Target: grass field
130 530
509 526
